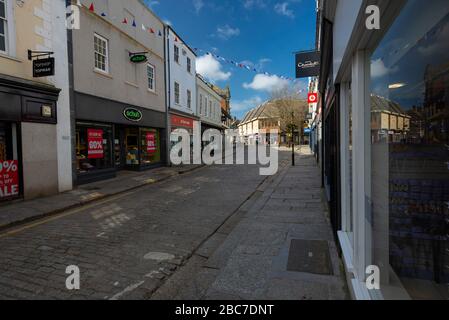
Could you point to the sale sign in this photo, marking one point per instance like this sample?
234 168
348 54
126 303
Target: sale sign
9 179
151 142
95 144
313 98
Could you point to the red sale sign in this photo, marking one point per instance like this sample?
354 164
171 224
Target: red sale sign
313 98
151 143
9 179
95 144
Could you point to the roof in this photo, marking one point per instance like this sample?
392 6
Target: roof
381 104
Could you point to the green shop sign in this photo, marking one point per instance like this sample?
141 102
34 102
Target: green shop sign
138 58
133 114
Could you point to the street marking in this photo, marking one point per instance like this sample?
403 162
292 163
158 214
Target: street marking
127 290
64 215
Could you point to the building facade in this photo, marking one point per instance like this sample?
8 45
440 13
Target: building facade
181 87
118 90
385 113
209 105
35 146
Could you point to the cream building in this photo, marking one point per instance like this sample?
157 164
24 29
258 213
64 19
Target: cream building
35 146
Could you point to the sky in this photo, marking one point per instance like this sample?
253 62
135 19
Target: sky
260 33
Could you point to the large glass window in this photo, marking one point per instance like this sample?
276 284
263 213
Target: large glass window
93 147
410 153
150 147
3 26
9 164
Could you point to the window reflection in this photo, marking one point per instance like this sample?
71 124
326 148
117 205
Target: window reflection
410 153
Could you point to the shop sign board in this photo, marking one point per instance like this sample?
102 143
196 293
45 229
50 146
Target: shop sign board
9 179
308 64
177 121
151 142
43 67
95 144
132 114
138 58
312 98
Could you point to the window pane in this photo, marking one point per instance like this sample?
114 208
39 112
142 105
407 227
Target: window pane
2 10
410 135
2 43
2 27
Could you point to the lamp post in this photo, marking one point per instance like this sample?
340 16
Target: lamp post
293 138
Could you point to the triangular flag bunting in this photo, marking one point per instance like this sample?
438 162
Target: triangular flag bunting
92 8
144 28
151 30
103 14
125 21
134 23
176 39
160 33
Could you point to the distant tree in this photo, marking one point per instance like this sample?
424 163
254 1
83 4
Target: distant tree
290 109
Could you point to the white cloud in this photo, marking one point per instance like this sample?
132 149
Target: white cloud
283 9
269 83
226 32
168 22
379 70
250 4
210 68
245 105
198 5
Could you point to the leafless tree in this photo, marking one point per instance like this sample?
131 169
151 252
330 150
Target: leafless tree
290 108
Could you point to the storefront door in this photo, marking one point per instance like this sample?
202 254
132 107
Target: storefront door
10 187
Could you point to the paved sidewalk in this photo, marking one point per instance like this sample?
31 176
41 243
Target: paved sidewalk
282 248
26 211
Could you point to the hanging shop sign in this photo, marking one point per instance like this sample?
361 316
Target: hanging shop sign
138 57
9 179
95 144
42 67
307 64
151 142
132 114
312 98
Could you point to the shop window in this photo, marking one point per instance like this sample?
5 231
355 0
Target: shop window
150 147
93 148
410 154
9 164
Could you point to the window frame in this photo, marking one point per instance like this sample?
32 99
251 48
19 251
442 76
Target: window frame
4 20
177 93
176 53
189 65
189 99
153 89
106 41
201 104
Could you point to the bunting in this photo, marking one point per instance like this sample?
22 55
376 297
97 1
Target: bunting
152 31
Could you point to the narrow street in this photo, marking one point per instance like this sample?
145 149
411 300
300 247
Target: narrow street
128 245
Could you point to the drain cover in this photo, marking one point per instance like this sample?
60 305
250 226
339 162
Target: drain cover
309 256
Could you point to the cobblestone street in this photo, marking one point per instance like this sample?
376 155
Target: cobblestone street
127 245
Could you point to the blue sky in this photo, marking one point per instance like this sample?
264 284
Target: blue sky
263 33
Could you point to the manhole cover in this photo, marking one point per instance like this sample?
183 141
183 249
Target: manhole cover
309 256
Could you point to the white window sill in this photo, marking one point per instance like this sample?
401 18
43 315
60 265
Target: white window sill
7 56
152 91
132 84
102 73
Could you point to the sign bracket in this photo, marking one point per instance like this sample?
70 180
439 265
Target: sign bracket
37 54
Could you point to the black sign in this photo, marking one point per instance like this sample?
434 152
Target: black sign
307 64
44 67
132 114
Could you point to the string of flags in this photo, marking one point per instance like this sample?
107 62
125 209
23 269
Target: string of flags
159 33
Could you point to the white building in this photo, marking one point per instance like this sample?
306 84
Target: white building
209 105
181 84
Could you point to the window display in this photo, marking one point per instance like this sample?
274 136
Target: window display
150 147
93 147
410 154
9 164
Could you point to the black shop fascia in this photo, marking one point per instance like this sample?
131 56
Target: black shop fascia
112 136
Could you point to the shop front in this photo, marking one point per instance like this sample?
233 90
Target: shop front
27 138
181 121
116 137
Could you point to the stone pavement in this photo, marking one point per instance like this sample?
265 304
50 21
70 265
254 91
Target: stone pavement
26 211
257 255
